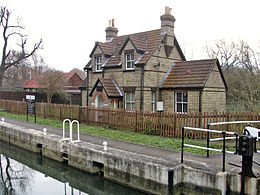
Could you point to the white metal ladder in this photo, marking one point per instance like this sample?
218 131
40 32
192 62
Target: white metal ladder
70 138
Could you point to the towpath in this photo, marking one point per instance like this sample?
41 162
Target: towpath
213 163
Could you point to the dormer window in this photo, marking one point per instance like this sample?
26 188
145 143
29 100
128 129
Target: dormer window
129 61
98 64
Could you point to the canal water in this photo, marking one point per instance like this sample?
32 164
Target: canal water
23 172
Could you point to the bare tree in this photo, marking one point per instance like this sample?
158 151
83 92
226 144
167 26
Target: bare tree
227 53
51 82
38 64
13 175
242 72
11 57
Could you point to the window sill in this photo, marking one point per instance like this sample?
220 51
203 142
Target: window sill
97 72
181 113
129 70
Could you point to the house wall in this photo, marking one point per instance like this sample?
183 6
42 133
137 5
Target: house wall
83 97
193 101
75 80
168 97
214 94
154 72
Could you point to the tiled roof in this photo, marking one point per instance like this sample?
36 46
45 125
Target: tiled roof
110 87
190 74
68 75
34 82
144 42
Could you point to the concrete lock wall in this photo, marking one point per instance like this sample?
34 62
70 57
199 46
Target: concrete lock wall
149 174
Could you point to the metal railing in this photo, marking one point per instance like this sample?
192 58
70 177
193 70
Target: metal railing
70 138
225 123
224 133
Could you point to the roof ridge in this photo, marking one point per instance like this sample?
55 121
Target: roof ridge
138 33
209 59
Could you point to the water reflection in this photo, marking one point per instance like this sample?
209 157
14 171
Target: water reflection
24 172
14 174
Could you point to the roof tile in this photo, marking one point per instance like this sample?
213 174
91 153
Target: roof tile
144 42
189 74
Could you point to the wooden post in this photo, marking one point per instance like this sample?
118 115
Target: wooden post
61 113
87 112
78 113
175 125
43 110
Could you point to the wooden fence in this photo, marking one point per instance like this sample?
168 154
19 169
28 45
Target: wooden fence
163 124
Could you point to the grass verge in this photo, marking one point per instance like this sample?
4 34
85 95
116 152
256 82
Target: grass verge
133 137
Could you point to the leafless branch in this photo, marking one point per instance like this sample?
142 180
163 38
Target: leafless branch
8 31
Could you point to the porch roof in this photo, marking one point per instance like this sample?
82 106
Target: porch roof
110 87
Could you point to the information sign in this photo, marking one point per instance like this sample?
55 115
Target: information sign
31 108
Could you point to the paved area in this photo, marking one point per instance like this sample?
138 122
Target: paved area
213 163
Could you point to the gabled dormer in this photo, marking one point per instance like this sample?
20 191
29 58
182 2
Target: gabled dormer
128 51
132 51
128 54
99 56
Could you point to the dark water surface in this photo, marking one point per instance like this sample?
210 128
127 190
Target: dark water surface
24 172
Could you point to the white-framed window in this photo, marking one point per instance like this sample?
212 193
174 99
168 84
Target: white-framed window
181 102
129 58
114 104
153 99
130 100
98 64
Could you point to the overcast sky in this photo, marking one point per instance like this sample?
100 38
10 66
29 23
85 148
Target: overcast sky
69 29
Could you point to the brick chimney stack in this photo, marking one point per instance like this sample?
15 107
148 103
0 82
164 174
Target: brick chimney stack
111 31
167 26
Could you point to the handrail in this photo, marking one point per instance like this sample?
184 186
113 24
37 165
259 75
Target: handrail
70 129
208 148
210 130
225 123
232 122
71 125
63 130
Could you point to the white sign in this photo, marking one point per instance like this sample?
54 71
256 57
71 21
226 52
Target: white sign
159 106
30 97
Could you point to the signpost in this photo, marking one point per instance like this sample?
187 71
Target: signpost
31 108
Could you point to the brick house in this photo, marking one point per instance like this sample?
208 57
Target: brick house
72 81
148 71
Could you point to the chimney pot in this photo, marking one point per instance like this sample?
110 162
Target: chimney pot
111 31
168 10
113 22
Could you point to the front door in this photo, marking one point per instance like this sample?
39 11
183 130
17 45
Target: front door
99 103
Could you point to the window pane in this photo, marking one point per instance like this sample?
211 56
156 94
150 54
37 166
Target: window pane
179 107
128 106
185 107
179 97
127 96
132 96
185 97
132 56
153 96
133 106
127 57
129 60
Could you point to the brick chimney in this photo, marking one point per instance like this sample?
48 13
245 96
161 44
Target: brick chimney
167 26
111 31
